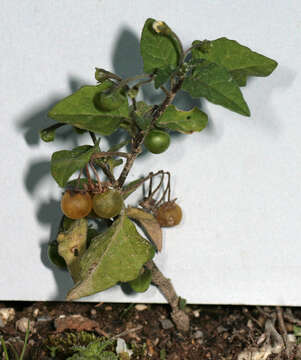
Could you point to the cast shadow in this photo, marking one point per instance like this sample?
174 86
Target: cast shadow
48 213
262 90
37 119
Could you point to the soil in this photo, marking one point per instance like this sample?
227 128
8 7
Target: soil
216 332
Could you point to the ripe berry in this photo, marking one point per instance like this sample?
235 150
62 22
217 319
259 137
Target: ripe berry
168 214
76 205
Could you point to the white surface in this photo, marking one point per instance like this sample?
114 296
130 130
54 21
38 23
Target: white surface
238 181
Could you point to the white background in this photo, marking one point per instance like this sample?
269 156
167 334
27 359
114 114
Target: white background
238 181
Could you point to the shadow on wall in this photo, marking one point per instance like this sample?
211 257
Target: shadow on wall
48 213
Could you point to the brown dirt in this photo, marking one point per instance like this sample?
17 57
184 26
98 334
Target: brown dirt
216 332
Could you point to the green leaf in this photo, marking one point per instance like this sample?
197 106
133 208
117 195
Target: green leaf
112 163
95 350
72 245
115 255
182 303
142 115
65 163
149 224
217 85
142 282
162 75
297 330
239 60
129 188
158 50
79 110
183 121
117 147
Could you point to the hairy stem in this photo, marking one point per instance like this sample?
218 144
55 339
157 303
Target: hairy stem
180 318
138 141
103 166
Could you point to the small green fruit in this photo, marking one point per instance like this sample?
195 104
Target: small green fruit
107 204
55 257
47 135
157 141
110 99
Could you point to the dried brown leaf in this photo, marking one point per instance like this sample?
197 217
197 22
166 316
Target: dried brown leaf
149 223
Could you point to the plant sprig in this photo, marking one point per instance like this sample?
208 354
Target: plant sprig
215 70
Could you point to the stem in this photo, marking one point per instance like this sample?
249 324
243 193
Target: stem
104 154
97 177
25 341
91 185
4 348
93 137
138 141
166 92
141 181
54 127
103 166
130 79
180 318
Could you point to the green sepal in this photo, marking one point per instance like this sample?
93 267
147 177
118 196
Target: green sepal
182 121
80 110
216 84
142 282
238 59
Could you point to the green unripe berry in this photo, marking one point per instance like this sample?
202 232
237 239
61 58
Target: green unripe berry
157 141
47 135
55 257
110 99
107 204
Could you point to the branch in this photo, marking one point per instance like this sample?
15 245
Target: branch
103 166
104 154
138 141
180 318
